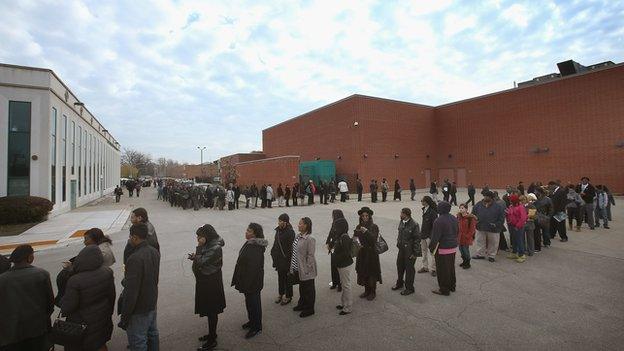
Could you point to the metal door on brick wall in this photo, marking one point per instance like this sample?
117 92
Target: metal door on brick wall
461 178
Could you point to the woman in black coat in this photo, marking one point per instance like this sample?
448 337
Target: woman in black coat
281 253
333 235
430 213
367 264
397 190
209 295
248 276
90 298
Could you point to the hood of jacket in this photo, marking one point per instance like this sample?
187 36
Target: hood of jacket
90 258
444 207
258 241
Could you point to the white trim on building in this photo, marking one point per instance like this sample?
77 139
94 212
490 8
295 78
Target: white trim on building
58 149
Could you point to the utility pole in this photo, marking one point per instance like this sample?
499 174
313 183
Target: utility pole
201 159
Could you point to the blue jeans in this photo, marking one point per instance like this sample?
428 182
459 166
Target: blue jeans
604 215
517 237
142 332
464 250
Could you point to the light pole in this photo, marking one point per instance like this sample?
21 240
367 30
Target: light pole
201 159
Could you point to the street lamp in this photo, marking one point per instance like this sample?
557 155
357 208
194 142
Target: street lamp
201 158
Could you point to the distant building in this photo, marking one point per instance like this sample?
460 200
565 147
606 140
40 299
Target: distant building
52 146
560 126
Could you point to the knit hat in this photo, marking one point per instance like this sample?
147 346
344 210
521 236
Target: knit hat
284 218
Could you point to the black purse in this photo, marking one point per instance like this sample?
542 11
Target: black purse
67 333
381 245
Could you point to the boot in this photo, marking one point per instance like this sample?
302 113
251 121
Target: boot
463 263
466 265
372 294
365 293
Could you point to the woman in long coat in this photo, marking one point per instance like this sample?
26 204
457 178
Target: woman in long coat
90 298
209 295
397 190
367 264
281 253
332 237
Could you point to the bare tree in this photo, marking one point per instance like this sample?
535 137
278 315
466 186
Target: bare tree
139 160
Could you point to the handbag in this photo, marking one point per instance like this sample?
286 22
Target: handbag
67 333
381 245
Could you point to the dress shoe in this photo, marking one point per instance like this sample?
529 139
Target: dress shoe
208 345
306 314
438 292
397 287
407 292
491 259
286 301
250 334
343 313
423 270
297 308
339 307
564 240
207 337
247 325
371 296
452 289
466 266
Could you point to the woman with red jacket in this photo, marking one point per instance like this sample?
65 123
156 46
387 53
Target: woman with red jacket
467 229
516 219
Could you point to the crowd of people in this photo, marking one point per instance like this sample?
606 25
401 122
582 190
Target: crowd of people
519 222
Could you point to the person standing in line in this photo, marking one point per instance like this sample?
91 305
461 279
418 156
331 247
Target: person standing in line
137 187
26 302
367 264
467 223
453 193
137 216
602 201
287 195
95 236
433 190
209 293
280 195
321 192
140 294
588 193
429 215
521 188
516 219
471 194
246 193
341 254
573 207
408 243
344 190
529 228
384 189
490 218
332 191
397 191
295 193
281 253
263 196
359 188
446 188
557 221
544 207
229 198
412 189
303 265
237 194
334 235
248 277
270 196
89 298
118 192
130 186
254 195
373 191
310 191
444 245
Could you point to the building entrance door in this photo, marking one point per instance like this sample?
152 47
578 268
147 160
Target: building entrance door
72 194
427 178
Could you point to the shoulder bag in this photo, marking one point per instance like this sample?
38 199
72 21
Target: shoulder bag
67 333
381 245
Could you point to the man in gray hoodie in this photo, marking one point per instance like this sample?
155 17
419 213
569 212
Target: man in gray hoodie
490 219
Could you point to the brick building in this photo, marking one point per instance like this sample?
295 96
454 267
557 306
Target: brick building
560 126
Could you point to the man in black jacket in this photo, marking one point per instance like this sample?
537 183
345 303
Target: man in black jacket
588 193
412 189
26 302
359 188
453 193
471 194
559 197
408 242
140 294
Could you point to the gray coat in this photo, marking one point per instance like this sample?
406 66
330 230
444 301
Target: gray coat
26 302
306 247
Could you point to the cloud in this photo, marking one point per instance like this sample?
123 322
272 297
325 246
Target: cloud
166 76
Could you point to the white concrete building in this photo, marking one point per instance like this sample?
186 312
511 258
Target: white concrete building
50 144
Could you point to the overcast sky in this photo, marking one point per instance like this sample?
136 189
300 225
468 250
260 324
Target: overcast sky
167 76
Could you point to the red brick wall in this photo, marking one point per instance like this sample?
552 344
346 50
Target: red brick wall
385 128
580 119
228 163
283 170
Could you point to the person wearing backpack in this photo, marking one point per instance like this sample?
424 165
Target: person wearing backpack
408 243
342 256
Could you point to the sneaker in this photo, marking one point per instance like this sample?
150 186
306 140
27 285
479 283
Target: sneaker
512 256
521 259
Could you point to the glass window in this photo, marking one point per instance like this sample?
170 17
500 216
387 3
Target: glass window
73 143
53 156
18 170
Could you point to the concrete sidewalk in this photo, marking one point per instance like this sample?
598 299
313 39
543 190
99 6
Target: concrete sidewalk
69 227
